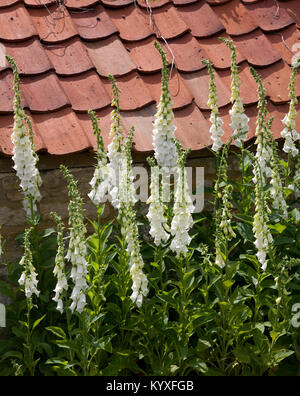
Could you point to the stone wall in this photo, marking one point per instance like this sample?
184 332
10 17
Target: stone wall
55 195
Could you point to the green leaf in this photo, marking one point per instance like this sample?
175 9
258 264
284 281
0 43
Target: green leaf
278 227
57 331
245 230
37 322
198 365
242 354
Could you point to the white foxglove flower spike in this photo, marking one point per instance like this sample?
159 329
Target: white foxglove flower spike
24 156
59 269
100 182
77 250
216 128
289 132
182 220
28 278
239 120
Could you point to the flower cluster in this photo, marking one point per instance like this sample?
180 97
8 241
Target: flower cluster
156 213
59 269
115 148
163 132
77 251
216 128
24 156
239 120
28 278
262 161
264 138
100 182
183 207
263 237
130 229
223 190
289 132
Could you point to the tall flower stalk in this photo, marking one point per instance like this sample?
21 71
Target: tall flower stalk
59 269
77 250
261 171
115 148
182 220
216 128
24 156
165 154
239 120
129 227
100 182
289 132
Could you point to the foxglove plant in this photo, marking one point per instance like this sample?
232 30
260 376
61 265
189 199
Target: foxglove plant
115 148
129 227
182 220
77 250
239 120
59 269
28 278
24 156
261 170
216 128
289 132
165 151
100 182
223 216
156 212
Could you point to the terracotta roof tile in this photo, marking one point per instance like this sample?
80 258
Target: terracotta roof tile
191 58
110 57
236 18
16 24
248 84
276 80
7 93
6 129
5 3
132 22
62 132
269 15
24 52
184 2
153 4
39 3
217 2
104 125
257 49
191 119
168 22
94 23
198 84
117 3
293 9
218 52
142 122
79 4
145 56
85 91
44 93
65 53
54 24
286 43
180 94
201 19
134 93
63 57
